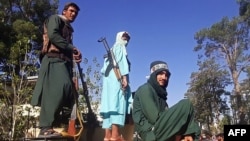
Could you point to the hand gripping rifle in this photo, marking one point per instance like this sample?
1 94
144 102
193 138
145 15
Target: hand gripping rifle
112 60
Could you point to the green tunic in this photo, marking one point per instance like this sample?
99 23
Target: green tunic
154 121
53 89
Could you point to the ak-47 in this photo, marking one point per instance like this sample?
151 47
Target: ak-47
85 89
75 114
91 117
112 60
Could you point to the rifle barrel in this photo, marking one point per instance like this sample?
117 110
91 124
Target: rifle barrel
101 39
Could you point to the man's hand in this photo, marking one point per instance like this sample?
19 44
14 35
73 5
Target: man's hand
77 56
124 82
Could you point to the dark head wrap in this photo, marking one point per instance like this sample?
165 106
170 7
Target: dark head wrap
155 68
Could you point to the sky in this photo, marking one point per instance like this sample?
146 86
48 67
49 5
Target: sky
159 29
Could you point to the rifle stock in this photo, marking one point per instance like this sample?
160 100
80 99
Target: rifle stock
118 74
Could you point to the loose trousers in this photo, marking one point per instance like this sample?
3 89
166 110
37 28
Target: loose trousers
177 120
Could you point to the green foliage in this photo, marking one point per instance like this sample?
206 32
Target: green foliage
207 92
245 91
92 77
222 38
224 121
244 10
227 42
21 33
5 41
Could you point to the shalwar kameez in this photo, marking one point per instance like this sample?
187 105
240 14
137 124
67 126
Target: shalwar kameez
115 101
154 120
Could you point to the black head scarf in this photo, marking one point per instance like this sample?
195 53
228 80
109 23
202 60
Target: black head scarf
155 68
160 90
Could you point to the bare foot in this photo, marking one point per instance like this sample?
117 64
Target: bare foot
188 138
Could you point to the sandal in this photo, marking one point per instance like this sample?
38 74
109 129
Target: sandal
117 139
48 133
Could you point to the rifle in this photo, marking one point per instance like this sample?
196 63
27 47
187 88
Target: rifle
73 116
91 117
85 89
75 113
112 60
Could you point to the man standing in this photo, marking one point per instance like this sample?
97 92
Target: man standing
154 121
116 94
54 88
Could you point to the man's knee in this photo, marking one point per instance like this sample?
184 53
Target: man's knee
186 102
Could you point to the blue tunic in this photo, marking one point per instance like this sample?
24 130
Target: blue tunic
115 102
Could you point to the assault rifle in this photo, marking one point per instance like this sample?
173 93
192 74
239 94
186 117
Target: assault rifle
112 60
76 113
91 117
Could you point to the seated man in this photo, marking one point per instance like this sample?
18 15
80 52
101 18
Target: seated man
154 121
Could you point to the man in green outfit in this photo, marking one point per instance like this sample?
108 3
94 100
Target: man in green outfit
54 88
154 120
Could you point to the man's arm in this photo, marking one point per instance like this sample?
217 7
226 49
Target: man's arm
120 57
149 104
121 60
54 33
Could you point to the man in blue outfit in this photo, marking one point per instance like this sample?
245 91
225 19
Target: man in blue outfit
115 96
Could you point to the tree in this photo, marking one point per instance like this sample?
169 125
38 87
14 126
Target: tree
206 91
20 37
245 88
90 103
92 77
227 41
224 121
30 11
244 10
243 7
